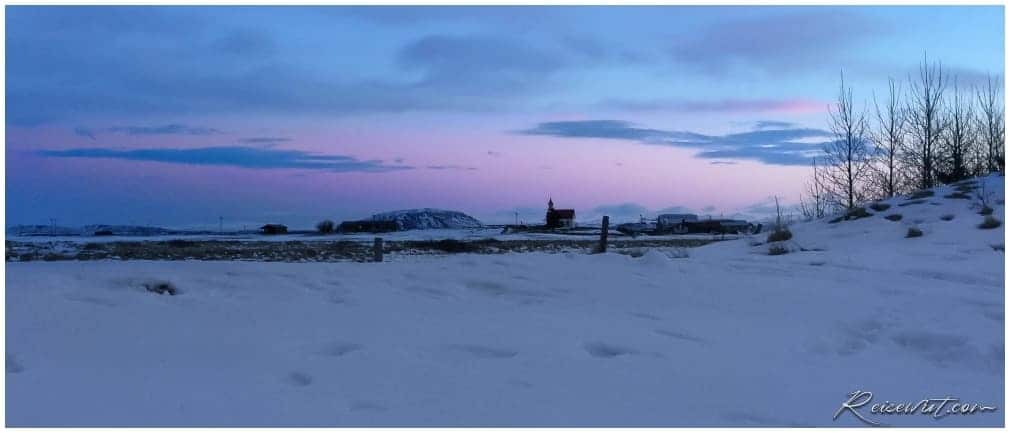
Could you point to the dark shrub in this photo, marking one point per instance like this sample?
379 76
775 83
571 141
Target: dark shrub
879 207
780 234
997 247
325 226
959 195
947 217
990 222
853 214
180 243
913 232
986 210
777 250
161 287
91 246
893 217
921 194
857 213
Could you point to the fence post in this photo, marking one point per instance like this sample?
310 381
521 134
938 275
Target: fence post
377 250
603 234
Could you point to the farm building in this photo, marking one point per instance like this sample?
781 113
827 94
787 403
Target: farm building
367 226
673 219
274 229
559 218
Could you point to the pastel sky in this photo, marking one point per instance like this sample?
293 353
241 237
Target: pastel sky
174 116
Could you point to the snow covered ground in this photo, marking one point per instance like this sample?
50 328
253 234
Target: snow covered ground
729 336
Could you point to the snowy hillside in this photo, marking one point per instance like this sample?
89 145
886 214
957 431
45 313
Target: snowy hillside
427 218
727 336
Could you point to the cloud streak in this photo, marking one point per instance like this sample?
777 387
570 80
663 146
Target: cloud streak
718 106
233 156
169 129
775 43
787 146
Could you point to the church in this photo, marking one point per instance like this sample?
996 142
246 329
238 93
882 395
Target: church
559 218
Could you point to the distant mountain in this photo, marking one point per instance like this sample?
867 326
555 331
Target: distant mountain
88 230
427 218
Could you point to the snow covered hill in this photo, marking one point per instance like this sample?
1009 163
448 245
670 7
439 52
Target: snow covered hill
727 336
428 218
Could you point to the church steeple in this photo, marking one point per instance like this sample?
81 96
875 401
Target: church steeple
550 203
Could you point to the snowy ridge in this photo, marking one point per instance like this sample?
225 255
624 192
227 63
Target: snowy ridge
428 218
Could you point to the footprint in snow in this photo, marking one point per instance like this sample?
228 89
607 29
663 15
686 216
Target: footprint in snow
606 350
339 348
679 335
365 405
12 364
483 352
298 378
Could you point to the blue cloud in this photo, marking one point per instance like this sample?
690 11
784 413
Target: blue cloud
450 167
790 146
266 141
773 124
235 156
169 129
777 42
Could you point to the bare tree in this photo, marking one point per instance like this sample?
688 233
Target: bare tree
888 139
991 124
814 204
925 123
958 138
847 156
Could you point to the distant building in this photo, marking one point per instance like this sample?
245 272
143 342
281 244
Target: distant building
673 219
368 226
559 218
274 229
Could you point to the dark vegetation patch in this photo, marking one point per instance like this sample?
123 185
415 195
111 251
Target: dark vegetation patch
161 288
893 217
777 250
990 222
308 251
986 210
325 227
852 214
879 207
780 234
913 233
947 217
958 195
923 193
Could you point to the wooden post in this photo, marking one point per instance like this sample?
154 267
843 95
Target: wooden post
603 234
377 250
